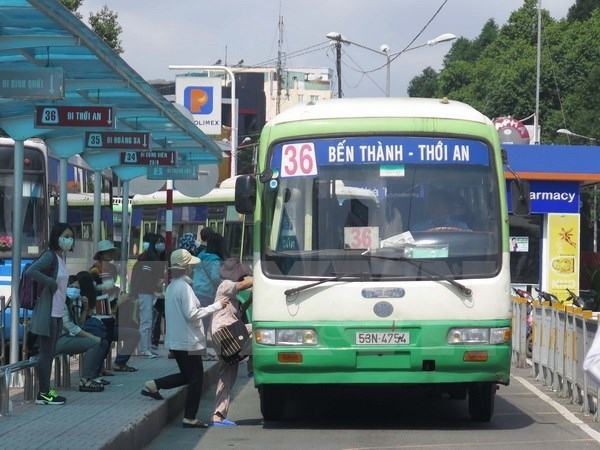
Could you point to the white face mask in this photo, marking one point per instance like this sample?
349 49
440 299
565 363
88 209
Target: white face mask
160 247
73 292
65 243
146 246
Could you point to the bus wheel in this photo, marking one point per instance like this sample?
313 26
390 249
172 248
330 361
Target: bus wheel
481 401
272 402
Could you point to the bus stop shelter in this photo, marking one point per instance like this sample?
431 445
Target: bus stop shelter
62 83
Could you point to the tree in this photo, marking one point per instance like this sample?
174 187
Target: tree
106 25
582 9
73 5
424 85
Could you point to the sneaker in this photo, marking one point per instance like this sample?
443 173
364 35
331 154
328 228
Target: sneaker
49 399
224 423
149 354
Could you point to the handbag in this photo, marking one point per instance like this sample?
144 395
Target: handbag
591 363
230 340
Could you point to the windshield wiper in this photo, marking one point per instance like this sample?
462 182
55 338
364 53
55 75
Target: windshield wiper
352 277
433 274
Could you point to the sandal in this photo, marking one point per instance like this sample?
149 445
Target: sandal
194 424
155 395
124 368
90 385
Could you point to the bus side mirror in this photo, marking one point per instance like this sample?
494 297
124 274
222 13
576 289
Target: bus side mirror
519 197
245 194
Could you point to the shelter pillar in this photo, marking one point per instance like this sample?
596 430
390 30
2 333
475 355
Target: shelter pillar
62 209
17 233
97 207
124 234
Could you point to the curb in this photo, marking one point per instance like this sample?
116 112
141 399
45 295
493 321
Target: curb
143 430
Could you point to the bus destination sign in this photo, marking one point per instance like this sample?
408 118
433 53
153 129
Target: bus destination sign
49 116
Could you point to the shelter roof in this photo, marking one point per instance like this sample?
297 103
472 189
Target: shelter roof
44 34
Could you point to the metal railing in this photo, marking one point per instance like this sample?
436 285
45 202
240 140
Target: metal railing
562 336
28 367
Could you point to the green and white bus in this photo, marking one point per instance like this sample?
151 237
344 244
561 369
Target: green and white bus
380 250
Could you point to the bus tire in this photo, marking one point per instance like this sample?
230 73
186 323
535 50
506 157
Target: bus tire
272 402
481 401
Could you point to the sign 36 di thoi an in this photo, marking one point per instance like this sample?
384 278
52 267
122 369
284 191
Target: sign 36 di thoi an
48 116
35 82
153 158
133 140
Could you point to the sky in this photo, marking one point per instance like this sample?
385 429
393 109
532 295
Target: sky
158 33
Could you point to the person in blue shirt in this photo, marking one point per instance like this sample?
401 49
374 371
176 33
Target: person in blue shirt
441 213
206 278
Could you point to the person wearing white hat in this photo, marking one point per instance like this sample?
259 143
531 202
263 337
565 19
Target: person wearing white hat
185 337
105 274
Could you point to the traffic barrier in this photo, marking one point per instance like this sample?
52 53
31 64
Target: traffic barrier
562 336
519 327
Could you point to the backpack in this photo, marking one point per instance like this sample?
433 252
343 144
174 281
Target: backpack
29 289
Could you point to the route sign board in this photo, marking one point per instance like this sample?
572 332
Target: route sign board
133 140
191 157
173 173
35 82
50 116
152 158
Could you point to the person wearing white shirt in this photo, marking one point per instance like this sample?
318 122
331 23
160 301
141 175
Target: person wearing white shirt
185 337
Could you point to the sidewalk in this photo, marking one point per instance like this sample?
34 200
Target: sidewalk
118 418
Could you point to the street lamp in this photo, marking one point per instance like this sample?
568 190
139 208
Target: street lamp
570 133
384 50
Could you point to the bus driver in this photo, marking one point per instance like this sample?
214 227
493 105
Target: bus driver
440 212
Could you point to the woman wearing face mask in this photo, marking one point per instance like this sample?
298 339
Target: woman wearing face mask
74 340
185 337
146 279
50 271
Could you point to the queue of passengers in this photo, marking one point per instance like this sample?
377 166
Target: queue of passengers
85 313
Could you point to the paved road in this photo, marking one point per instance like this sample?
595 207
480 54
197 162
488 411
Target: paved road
388 420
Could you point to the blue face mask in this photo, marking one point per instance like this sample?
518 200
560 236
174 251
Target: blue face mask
73 292
160 247
146 246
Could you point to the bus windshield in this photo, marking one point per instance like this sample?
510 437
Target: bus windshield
335 208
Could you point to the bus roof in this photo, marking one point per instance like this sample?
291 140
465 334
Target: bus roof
362 108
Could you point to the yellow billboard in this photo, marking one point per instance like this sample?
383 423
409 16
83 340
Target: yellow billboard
563 254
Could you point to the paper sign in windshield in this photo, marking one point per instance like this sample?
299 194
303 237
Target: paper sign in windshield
361 237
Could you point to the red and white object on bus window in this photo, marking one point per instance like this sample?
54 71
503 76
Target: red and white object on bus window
361 237
298 160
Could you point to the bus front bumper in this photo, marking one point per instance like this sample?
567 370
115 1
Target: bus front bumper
436 362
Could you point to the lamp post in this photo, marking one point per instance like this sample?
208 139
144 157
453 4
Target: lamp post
384 50
234 109
569 133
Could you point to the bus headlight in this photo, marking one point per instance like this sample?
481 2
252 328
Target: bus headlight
286 336
266 337
479 335
500 335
